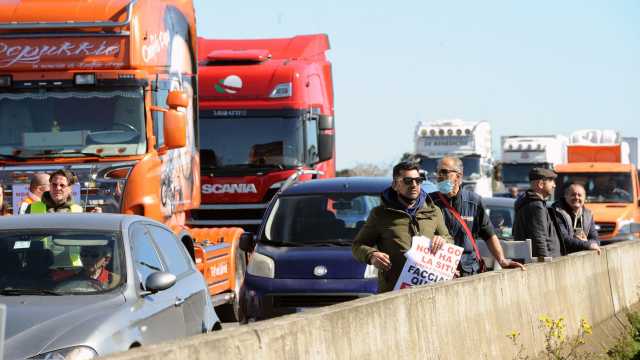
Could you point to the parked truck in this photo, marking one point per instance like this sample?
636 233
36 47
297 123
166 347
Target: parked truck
266 110
108 89
521 153
470 141
599 160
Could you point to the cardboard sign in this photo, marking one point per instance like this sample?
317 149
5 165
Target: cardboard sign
422 267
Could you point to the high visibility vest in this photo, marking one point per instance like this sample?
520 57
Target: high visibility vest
39 207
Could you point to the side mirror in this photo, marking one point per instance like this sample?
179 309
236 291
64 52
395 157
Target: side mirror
177 98
175 129
247 242
325 122
325 147
159 281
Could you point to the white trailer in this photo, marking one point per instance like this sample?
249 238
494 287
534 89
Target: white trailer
470 141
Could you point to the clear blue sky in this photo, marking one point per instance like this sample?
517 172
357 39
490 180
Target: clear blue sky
535 67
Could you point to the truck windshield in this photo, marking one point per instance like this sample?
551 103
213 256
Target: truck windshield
331 219
68 122
600 187
518 173
471 164
253 142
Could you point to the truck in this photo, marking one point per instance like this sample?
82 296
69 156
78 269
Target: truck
521 153
599 160
266 111
470 141
108 90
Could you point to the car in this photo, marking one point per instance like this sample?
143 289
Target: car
501 213
301 257
87 285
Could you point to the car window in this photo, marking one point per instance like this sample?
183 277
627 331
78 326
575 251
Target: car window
173 252
145 256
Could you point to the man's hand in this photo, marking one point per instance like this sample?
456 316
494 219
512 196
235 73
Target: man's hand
380 260
510 264
595 247
436 243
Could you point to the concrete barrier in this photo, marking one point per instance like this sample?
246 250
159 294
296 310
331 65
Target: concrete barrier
465 318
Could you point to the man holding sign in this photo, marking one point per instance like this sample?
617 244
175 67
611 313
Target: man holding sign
407 215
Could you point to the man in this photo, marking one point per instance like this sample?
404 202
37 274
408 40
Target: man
94 260
406 211
466 218
514 192
58 198
38 186
575 222
533 220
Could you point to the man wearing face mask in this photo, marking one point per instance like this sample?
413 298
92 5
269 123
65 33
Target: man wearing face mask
466 218
406 212
575 222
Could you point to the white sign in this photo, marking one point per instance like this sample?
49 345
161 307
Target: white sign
423 267
20 191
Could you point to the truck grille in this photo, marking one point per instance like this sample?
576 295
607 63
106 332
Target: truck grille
281 301
606 228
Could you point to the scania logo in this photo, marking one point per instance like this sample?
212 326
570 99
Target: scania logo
229 189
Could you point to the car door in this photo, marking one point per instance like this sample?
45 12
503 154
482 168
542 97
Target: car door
159 317
190 291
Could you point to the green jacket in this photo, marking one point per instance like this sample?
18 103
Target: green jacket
390 231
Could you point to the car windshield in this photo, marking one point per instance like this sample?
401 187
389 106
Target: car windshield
518 173
58 123
502 220
253 142
600 187
59 262
318 219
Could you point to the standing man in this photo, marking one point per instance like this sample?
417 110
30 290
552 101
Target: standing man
38 186
406 211
533 219
58 198
466 218
575 222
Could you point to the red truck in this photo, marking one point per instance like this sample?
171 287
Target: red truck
266 111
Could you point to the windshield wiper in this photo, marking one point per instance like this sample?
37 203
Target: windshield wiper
149 266
281 243
19 291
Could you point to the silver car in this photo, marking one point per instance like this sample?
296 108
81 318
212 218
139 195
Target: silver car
84 285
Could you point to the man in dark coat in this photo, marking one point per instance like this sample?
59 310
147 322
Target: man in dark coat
533 220
575 222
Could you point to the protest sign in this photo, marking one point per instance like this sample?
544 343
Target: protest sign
422 267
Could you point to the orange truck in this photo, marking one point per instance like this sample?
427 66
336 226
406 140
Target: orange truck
599 160
108 89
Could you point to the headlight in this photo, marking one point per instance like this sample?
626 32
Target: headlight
70 353
261 265
370 272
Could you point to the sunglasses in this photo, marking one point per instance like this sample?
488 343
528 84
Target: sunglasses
409 180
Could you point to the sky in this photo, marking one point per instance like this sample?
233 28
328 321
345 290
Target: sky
526 67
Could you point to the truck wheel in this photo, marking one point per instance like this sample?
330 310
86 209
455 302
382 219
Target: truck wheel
234 311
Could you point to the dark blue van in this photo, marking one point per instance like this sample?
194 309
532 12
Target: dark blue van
302 256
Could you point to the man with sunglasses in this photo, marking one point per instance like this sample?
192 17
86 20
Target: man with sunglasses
406 212
466 218
58 198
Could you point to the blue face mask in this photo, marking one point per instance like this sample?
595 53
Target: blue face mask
445 186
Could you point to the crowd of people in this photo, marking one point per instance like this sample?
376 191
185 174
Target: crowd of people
457 216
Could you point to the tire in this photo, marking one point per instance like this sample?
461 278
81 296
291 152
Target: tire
234 311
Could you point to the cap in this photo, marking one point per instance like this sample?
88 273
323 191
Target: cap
541 173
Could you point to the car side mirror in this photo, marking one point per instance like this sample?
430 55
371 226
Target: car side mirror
325 147
247 242
175 129
177 98
158 281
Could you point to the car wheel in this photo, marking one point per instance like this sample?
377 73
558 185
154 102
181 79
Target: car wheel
234 311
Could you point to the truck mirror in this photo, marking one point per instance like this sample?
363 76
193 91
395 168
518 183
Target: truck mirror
175 130
247 242
177 98
325 147
325 122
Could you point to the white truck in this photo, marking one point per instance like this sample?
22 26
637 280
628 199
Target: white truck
470 141
521 153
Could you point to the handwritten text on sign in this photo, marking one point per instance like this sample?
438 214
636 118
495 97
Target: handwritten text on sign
422 267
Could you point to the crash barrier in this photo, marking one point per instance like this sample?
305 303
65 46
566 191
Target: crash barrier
512 249
466 318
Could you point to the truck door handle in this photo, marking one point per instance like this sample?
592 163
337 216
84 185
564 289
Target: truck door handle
179 301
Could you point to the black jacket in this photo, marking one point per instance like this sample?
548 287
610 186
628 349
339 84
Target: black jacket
536 222
565 226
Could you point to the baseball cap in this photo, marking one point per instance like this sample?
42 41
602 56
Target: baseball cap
541 173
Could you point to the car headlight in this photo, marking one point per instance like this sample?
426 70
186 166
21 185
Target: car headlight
70 353
261 265
370 272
